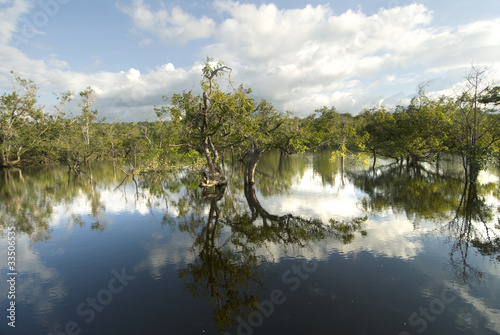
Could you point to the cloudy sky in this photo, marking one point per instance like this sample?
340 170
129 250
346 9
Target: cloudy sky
298 55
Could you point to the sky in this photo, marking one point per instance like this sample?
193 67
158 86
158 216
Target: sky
300 56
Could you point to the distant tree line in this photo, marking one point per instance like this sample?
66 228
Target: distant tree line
204 128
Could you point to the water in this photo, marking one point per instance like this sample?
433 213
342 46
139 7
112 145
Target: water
307 250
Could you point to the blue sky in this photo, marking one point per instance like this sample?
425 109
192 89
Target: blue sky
298 55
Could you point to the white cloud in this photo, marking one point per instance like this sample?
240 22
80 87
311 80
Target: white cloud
9 18
175 26
312 57
54 62
299 59
489 313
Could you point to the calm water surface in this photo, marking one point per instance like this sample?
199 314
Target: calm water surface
308 250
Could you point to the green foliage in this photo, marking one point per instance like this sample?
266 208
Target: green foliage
167 160
382 132
212 121
417 191
215 122
421 128
475 124
19 121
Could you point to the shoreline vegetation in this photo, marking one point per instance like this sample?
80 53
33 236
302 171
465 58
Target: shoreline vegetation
201 130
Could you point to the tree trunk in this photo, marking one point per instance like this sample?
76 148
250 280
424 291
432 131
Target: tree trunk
6 162
342 182
212 178
250 166
212 174
211 154
254 154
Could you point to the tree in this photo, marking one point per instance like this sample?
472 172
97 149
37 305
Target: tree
19 112
49 149
293 136
263 134
335 131
380 126
421 128
215 121
475 124
207 120
80 138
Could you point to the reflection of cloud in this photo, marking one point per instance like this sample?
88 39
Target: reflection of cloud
309 198
389 234
125 200
492 315
37 285
164 250
486 177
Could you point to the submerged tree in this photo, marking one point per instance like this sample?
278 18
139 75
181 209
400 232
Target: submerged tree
421 128
265 132
475 126
336 131
208 121
79 137
215 121
380 126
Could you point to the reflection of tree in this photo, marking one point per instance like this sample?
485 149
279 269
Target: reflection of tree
226 272
326 169
276 173
417 191
471 226
28 198
227 269
426 193
288 229
22 206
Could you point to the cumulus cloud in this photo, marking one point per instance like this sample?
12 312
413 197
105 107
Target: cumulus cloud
313 57
299 59
174 26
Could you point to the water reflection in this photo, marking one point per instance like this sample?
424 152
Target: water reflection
28 199
419 192
220 243
225 270
227 266
425 193
472 228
